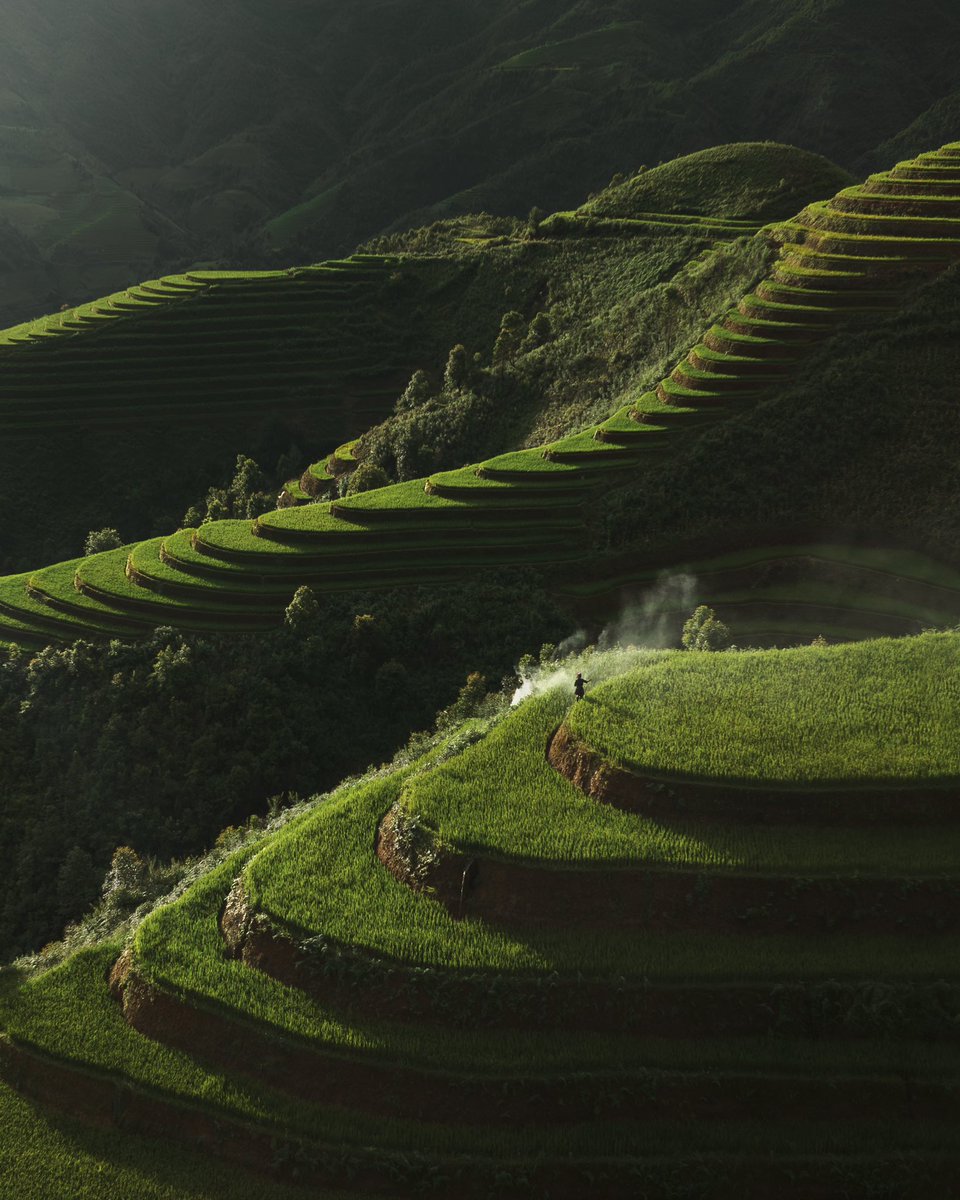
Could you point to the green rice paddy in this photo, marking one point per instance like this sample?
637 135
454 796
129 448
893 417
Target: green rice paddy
487 787
884 711
846 717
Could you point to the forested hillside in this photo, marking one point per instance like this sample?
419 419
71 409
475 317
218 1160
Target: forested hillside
479 599
137 403
170 134
738 467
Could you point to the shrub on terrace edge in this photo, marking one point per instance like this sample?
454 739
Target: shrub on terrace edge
99 540
703 631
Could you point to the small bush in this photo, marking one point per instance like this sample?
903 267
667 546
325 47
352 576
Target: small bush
366 478
303 610
99 540
703 631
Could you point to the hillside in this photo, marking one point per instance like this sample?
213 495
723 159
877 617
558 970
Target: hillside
738 479
762 182
268 526
137 402
170 137
480 966
480 619
875 257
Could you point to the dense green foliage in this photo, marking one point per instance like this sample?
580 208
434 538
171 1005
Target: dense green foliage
183 736
603 320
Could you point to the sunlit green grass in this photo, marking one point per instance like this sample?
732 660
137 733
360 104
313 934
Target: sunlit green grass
502 797
411 497
145 559
17 604
237 536
532 461
323 879
57 582
106 573
586 445
883 710
466 484
180 950
623 421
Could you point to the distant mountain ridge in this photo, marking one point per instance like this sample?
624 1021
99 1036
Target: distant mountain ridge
172 134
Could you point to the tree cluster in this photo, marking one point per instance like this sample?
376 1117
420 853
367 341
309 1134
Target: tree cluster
161 744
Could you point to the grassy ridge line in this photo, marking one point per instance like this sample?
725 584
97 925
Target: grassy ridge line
323 880
894 715
501 798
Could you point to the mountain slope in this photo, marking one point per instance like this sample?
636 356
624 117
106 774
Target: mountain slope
495 968
874 254
136 403
170 135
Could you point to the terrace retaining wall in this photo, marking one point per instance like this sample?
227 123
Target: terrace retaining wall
374 1086
365 985
678 798
656 898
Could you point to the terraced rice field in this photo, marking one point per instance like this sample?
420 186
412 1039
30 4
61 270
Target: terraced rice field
849 260
468 972
185 346
754 725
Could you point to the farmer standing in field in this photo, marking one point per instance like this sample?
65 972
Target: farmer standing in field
579 686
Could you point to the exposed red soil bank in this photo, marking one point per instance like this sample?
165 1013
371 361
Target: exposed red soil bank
368 1085
655 898
366 986
680 799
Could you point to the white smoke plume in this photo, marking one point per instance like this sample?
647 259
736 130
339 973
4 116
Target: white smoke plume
650 622
654 619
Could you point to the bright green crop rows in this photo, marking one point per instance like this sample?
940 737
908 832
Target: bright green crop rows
180 950
501 798
883 710
323 879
